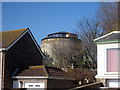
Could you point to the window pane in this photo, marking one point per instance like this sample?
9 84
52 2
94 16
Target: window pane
112 60
64 35
30 85
37 85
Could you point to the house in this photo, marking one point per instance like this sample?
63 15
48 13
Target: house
18 48
21 63
41 77
108 55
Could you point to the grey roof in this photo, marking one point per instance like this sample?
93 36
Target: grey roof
110 37
114 36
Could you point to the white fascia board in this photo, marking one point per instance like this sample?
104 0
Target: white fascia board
116 31
14 41
61 78
29 77
108 76
20 38
40 77
17 40
106 35
36 43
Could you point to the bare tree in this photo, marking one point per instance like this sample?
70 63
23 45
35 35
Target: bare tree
108 16
105 21
67 54
88 31
47 61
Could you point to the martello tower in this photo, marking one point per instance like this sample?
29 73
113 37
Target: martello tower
57 39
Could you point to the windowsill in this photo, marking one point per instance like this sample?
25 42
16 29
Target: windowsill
112 73
108 76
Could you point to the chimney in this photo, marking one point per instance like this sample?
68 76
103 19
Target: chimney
69 34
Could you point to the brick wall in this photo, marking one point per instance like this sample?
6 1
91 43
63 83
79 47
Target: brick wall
59 83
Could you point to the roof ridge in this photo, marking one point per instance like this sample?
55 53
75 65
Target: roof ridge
38 66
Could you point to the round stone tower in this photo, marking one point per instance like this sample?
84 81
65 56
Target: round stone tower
56 40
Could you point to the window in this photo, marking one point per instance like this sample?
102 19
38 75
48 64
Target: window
56 35
37 85
112 59
30 85
64 35
60 35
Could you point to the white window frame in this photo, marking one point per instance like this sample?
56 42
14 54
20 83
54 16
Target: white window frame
110 46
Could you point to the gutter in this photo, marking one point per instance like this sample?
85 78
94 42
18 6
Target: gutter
40 77
106 35
107 41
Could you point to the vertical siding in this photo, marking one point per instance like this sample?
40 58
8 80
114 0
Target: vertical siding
101 61
1 70
0 67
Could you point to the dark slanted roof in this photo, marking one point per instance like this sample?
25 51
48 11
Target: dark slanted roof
56 72
111 37
41 71
8 37
32 71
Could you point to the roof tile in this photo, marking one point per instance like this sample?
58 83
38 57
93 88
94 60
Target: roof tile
8 37
42 71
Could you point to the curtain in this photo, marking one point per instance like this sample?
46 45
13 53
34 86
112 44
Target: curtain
112 60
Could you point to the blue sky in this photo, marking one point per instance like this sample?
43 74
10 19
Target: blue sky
45 17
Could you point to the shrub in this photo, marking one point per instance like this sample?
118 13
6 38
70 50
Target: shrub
81 74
